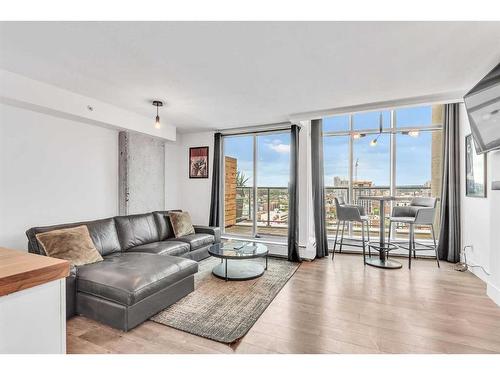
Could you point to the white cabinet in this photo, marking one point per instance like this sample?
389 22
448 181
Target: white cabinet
33 320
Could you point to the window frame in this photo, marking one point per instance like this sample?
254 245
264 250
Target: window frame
254 237
393 130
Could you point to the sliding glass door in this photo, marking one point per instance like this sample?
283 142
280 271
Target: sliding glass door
256 173
273 172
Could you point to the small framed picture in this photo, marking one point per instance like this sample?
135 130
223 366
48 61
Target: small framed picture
475 170
198 162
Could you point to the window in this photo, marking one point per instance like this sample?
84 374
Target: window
336 123
371 120
394 152
256 174
336 174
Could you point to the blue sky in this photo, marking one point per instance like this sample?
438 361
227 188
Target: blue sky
413 153
273 152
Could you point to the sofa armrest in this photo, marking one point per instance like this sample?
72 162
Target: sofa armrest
214 231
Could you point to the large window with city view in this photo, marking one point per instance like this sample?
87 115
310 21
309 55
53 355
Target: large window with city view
256 173
390 152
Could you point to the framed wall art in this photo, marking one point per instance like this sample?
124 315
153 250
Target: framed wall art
198 162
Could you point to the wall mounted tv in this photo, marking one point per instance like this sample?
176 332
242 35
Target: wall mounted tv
483 109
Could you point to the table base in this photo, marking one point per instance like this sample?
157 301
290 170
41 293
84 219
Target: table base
386 263
238 270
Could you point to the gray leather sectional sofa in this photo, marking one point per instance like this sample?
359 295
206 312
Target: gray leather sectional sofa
145 268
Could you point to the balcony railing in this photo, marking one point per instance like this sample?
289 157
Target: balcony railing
272 209
372 208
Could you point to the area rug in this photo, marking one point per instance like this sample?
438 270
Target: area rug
225 311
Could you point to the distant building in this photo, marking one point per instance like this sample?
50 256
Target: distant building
340 182
362 184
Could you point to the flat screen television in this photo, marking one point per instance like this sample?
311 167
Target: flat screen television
483 108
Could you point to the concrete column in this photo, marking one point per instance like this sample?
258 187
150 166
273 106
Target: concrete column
141 173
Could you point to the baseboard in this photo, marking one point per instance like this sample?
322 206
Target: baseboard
493 292
477 271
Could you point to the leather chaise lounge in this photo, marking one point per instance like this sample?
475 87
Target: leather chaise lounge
145 268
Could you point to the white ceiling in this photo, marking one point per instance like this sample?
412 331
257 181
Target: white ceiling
216 75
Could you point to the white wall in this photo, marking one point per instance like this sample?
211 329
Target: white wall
172 171
494 281
480 218
193 193
53 170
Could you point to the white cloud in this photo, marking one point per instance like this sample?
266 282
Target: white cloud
280 147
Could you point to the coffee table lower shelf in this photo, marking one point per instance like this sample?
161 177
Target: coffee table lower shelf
238 270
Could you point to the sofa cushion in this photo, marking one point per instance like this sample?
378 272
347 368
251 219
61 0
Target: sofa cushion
127 278
175 248
71 244
103 234
197 240
135 230
164 225
198 254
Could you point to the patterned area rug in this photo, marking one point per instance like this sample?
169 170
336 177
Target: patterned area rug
225 311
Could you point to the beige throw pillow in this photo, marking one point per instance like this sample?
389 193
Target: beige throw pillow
72 244
181 223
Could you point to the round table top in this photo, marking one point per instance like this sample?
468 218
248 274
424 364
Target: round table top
238 250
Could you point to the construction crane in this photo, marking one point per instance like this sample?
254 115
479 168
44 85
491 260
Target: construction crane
356 170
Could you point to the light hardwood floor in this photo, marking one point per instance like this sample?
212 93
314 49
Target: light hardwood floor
337 307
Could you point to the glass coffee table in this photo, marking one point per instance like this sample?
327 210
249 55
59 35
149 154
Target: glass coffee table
235 260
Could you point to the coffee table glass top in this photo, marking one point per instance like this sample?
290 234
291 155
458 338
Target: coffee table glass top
238 250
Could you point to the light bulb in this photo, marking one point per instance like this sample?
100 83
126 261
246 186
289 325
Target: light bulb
413 133
373 142
157 122
358 135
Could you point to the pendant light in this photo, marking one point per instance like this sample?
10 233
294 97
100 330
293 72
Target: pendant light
374 141
358 135
157 103
412 133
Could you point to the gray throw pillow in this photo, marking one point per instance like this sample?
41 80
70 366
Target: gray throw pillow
181 223
72 244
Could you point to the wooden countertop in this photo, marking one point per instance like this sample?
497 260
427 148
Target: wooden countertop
21 270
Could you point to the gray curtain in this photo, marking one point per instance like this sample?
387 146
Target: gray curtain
318 188
293 199
449 235
215 203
